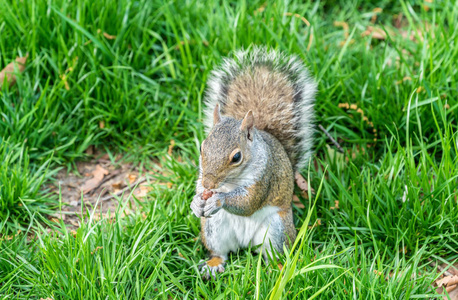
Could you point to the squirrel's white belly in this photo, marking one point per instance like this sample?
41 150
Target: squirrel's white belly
234 232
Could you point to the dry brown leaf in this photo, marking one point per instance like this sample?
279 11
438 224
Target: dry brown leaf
451 288
376 11
298 202
280 266
336 204
375 32
447 281
105 157
172 144
169 185
55 220
64 79
260 9
301 182
316 224
298 16
101 124
8 76
109 36
118 185
426 7
142 191
407 78
94 182
90 150
132 178
345 27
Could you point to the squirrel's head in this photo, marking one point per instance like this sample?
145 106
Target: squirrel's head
226 151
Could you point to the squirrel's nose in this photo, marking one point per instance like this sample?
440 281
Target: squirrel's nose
208 183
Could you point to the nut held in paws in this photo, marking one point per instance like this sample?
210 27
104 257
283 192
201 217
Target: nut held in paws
207 194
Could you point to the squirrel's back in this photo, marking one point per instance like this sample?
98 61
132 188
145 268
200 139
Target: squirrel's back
278 90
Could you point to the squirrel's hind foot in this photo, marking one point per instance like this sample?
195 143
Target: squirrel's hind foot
212 266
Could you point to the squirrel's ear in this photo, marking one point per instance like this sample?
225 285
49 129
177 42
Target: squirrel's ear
216 115
247 124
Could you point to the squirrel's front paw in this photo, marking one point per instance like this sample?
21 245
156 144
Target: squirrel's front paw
197 205
213 204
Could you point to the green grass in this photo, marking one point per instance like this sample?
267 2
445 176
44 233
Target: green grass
397 195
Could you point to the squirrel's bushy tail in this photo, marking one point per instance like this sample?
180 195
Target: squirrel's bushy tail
279 91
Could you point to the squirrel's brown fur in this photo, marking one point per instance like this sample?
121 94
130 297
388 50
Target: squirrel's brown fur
278 90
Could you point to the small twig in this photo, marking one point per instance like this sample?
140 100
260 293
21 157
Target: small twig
140 180
442 269
332 139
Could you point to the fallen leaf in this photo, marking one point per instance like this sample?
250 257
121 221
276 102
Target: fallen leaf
447 281
132 178
426 7
299 17
109 36
94 182
55 220
260 9
8 73
375 32
105 156
64 79
90 150
345 27
316 224
404 79
142 191
298 202
118 185
336 204
101 124
301 182
376 11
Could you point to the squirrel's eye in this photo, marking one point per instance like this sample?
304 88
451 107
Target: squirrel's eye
237 157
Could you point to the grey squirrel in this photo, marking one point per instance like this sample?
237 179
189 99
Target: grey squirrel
259 120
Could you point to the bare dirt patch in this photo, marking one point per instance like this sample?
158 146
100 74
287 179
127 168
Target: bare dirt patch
98 185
